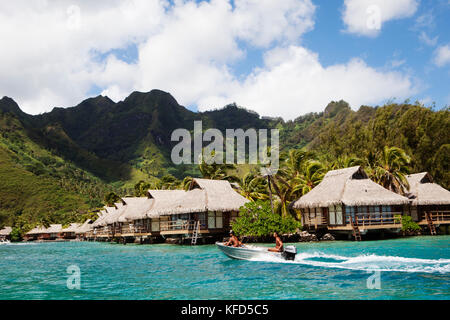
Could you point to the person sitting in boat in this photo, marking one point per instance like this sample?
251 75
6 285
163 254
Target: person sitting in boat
278 244
233 241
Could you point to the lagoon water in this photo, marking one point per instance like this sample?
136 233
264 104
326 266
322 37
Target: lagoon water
412 268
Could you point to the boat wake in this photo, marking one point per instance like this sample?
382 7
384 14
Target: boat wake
367 262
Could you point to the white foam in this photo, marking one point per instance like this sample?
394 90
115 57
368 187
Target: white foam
367 262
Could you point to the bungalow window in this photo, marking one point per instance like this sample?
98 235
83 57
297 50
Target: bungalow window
335 214
155 225
202 219
211 220
219 220
338 215
332 215
350 211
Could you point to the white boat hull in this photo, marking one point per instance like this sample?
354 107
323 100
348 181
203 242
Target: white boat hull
249 252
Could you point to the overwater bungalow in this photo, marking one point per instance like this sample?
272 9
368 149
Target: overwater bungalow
42 233
70 231
204 211
430 203
348 202
130 221
5 233
98 227
83 231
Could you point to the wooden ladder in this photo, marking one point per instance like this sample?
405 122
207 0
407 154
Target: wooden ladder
195 233
431 225
356 232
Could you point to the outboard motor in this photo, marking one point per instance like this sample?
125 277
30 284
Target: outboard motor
289 253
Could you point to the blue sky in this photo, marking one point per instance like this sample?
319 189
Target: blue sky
279 58
399 41
398 46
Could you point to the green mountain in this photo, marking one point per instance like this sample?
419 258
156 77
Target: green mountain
55 166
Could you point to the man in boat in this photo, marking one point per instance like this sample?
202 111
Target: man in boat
233 241
278 244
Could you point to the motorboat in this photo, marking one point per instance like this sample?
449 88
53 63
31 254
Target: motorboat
251 252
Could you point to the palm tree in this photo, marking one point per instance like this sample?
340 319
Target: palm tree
253 187
293 162
312 175
216 171
391 170
187 182
346 162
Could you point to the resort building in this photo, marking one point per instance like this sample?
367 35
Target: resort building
5 233
70 231
83 230
203 212
430 203
41 233
348 202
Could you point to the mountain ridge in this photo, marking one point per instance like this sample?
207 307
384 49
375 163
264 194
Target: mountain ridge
100 146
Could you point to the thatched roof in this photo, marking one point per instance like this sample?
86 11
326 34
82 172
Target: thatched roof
6 231
102 215
114 215
54 228
72 228
185 202
351 187
135 208
85 227
423 191
220 196
205 195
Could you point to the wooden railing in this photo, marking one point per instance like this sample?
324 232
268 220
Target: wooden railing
319 220
375 219
131 229
176 225
102 232
180 225
436 216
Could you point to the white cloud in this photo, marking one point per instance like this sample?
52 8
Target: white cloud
442 56
293 82
366 17
427 40
51 55
49 48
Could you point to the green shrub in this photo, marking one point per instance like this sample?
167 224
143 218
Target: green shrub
409 225
16 235
257 220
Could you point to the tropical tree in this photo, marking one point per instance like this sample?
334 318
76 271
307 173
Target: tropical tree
346 162
216 171
312 174
253 187
169 182
391 170
111 198
141 188
257 220
187 182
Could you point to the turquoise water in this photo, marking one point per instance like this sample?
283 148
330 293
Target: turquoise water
413 268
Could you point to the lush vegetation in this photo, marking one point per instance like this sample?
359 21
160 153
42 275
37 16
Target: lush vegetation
408 225
63 166
256 219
